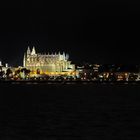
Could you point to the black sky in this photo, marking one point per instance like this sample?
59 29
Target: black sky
100 32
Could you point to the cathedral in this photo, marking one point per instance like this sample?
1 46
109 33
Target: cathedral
44 63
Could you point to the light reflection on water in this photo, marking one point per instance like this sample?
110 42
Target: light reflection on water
68 111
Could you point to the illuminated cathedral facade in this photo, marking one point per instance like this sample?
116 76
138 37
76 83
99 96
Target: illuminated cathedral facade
56 62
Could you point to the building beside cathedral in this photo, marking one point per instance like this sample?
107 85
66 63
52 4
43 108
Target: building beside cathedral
46 63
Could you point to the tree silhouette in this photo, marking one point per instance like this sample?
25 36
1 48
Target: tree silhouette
38 71
2 74
9 73
26 71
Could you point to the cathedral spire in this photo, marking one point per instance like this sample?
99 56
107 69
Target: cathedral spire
67 56
33 51
59 55
64 55
24 60
28 50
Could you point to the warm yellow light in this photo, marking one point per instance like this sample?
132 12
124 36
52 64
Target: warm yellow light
73 73
126 74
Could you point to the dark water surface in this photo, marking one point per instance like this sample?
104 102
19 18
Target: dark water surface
69 112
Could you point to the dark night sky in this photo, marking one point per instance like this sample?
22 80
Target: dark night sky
98 32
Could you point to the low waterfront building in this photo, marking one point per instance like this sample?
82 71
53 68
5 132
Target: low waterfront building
4 67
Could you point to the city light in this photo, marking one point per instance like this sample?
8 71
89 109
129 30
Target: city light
57 67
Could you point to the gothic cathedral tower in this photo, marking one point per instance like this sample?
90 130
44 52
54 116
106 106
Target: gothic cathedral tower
25 56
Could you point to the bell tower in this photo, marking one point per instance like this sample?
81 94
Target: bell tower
24 60
28 51
33 51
